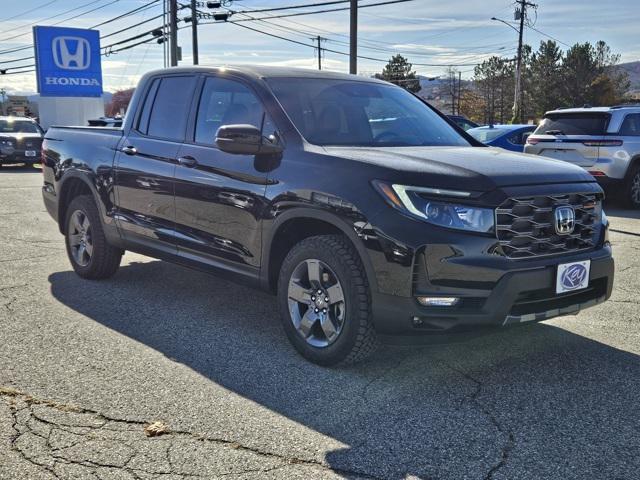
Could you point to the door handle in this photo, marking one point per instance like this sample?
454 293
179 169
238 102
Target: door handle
129 150
187 161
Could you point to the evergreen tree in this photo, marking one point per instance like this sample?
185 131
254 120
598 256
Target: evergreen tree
399 71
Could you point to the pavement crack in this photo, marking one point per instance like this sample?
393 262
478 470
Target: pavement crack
54 436
380 376
474 400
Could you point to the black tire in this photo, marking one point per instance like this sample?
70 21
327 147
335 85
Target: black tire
632 184
357 340
104 259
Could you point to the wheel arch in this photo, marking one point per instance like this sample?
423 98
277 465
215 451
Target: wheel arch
72 186
295 225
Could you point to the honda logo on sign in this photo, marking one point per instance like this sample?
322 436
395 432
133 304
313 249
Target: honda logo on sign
71 53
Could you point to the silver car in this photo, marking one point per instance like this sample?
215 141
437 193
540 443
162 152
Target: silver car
605 141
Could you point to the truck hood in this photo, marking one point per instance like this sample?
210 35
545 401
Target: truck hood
471 168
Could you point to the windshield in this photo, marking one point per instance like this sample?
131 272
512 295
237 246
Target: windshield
18 126
355 113
573 124
486 134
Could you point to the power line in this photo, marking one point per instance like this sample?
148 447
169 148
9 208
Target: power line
126 14
328 10
337 51
48 18
29 11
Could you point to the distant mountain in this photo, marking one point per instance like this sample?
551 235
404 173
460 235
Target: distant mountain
633 70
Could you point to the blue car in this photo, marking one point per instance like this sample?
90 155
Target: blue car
509 137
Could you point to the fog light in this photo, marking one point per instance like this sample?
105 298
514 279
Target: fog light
438 301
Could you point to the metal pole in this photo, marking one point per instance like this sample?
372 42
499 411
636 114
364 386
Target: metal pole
173 31
164 32
318 38
194 31
459 90
353 38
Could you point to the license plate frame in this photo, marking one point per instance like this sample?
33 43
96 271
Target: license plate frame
30 153
572 276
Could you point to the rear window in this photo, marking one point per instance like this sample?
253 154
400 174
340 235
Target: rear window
18 126
486 134
573 124
170 110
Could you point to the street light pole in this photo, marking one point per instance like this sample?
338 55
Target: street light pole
517 97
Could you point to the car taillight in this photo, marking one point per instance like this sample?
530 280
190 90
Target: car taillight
532 141
603 143
597 173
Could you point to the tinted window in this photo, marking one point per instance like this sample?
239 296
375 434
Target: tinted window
573 124
631 125
355 113
18 126
170 109
143 123
486 134
225 102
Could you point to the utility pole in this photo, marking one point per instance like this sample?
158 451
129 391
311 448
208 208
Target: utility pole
353 38
459 90
517 100
319 39
173 32
194 31
3 92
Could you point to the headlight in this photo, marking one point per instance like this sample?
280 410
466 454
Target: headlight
416 202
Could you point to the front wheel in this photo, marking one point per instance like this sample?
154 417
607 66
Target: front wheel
90 254
325 301
633 188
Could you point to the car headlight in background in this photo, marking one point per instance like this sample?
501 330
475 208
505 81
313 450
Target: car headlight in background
416 202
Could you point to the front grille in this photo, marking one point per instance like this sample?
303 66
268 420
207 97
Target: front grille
525 226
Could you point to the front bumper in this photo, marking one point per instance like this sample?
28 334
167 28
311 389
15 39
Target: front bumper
19 156
523 295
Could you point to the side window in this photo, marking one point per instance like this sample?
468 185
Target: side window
143 122
170 110
516 138
226 102
631 125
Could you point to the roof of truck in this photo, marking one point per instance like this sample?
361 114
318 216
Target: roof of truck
260 71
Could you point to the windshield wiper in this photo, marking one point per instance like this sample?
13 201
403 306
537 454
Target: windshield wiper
554 132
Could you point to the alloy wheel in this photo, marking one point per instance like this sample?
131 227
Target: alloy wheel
80 240
316 303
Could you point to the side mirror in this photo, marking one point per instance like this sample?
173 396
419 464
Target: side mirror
245 140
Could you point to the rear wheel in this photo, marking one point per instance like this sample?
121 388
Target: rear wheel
324 299
90 254
632 192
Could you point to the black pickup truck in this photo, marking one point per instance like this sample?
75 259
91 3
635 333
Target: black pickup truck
368 213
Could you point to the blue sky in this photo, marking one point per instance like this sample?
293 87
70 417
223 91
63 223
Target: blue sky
426 31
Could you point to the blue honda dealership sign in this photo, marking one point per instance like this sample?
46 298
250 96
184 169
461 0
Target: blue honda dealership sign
68 62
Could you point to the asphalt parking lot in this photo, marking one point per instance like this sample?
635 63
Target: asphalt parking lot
85 366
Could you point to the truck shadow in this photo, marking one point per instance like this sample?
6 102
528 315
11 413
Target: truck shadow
536 398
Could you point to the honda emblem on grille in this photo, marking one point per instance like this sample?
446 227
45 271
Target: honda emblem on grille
565 218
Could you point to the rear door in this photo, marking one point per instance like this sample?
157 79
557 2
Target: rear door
220 196
574 137
146 163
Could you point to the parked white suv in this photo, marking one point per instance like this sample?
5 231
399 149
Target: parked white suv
603 140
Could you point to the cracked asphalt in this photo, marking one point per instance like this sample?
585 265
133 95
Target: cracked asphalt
86 366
